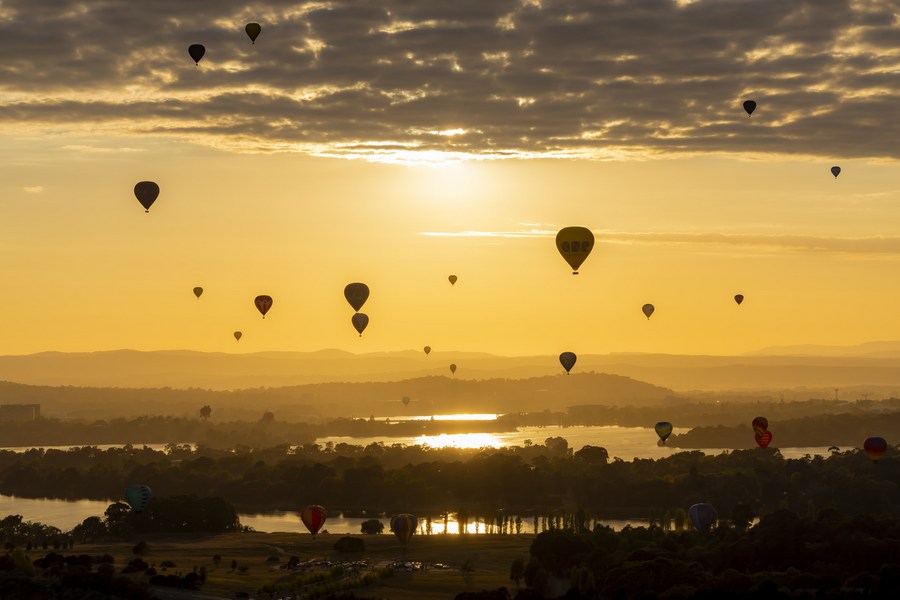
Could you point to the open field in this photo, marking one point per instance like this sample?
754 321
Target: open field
487 556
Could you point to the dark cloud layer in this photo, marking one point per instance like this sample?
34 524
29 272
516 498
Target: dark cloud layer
552 77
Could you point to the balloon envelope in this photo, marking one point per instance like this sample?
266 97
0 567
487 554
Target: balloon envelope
237 335
738 298
760 425
427 350
138 496
405 400
313 517
404 526
453 368
263 304
875 447
763 439
702 515
253 30
196 51
663 430
575 244
749 106
647 309
356 294
198 291
360 322
567 360
835 171
452 279
146 192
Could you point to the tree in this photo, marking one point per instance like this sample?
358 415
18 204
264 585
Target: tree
372 527
205 412
517 570
268 417
350 544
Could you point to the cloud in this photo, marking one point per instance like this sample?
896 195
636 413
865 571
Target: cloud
380 78
33 189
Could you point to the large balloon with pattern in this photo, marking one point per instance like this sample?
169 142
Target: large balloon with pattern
835 171
138 497
763 439
647 309
738 298
404 526
253 30
749 106
198 291
575 244
760 425
313 517
663 430
263 304
196 51
567 360
875 447
146 192
356 294
360 322
702 515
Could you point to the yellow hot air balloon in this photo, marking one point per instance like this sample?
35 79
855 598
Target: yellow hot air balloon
575 244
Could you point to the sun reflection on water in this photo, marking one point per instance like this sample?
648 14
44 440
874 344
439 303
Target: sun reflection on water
460 440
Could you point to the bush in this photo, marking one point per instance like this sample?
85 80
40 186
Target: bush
350 544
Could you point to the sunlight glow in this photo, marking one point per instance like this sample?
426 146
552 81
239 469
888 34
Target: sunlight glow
460 440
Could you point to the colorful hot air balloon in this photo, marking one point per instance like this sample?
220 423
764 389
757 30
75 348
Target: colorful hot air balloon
452 279
404 526
738 298
647 309
253 30
702 515
453 368
196 51
237 335
763 439
198 291
138 497
663 430
749 106
575 244
263 304
875 447
313 517
356 294
146 192
835 171
760 425
567 360
360 322
427 350
405 400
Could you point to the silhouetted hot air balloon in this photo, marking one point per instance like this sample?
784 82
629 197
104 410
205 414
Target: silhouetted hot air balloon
356 294
360 322
575 244
749 106
196 51
198 291
663 430
237 335
253 30
138 496
738 298
263 304
875 447
452 279
427 350
313 517
702 515
405 400
404 526
760 425
146 192
453 368
567 360
647 309
835 171
763 439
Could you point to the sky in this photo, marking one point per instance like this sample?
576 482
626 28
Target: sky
397 143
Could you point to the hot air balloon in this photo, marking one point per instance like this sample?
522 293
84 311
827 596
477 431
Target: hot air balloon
356 294
738 298
875 447
313 517
702 515
405 400
146 192
360 322
663 430
453 368
196 51
575 244
404 526
237 335
835 171
427 350
647 309
760 425
198 291
253 30
263 304
749 106
138 496
763 439
452 279
567 360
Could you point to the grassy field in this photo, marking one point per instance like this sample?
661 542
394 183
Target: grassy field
475 561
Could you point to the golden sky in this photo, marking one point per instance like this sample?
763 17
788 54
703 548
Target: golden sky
397 143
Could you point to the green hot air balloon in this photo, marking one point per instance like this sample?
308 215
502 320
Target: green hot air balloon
567 360
574 244
356 294
663 430
138 497
253 30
